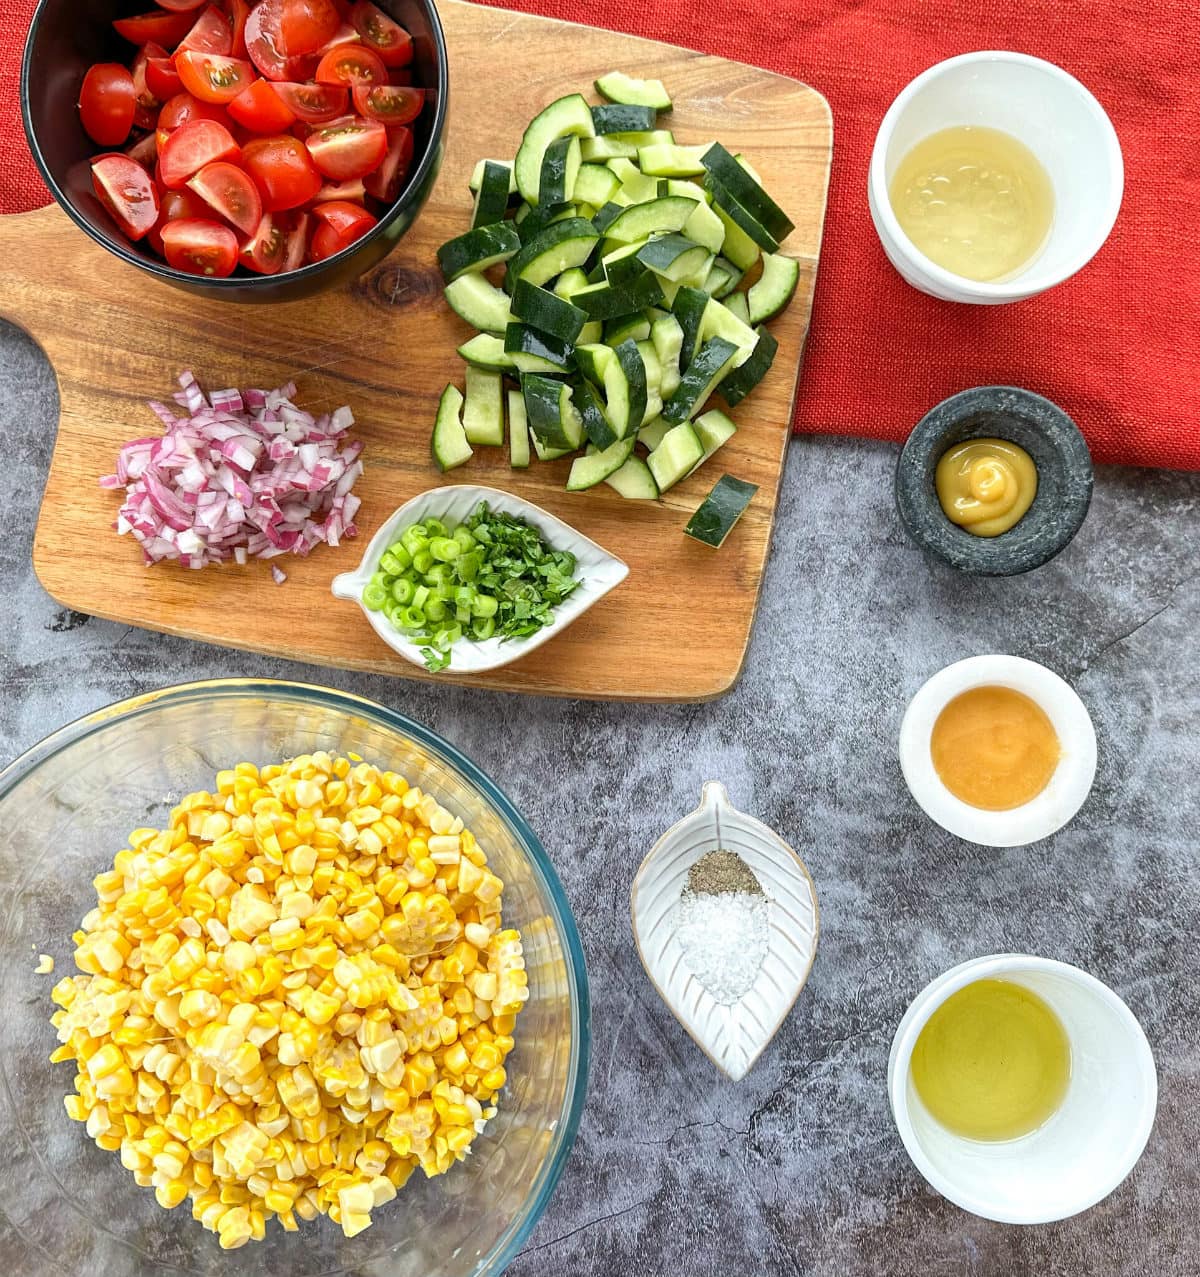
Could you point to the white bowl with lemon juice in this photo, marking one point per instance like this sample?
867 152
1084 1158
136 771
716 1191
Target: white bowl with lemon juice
994 176
1011 1131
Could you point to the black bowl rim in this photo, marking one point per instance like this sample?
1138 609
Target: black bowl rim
994 556
233 283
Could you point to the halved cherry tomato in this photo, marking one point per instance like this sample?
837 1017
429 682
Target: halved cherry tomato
388 38
161 27
345 34
295 246
211 33
229 191
200 247
352 65
352 191
305 25
388 178
171 207
180 6
127 191
313 103
212 77
183 108
239 11
260 109
190 147
262 46
347 148
145 112
107 102
161 77
263 250
341 225
390 104
282 170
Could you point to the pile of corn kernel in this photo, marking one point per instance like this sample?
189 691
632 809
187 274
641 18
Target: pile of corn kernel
292 996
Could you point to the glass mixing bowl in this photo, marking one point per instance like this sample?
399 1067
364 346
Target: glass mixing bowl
67 806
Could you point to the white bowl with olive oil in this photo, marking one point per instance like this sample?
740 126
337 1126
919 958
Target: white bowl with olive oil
1023 1089
994 176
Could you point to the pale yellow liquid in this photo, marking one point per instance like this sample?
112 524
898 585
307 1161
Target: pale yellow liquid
993 1062
974 200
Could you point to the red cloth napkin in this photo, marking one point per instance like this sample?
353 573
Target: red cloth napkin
1118 346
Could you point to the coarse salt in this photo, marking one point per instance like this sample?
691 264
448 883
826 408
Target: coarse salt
724 939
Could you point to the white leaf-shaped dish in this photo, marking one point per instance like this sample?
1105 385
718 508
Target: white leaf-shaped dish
732 1036
598 572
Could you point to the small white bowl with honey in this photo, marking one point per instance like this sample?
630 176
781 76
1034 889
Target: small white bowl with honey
998 750
1023 1089
995 176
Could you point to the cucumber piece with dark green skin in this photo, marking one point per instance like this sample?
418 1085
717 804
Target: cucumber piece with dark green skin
719 321
617 330
671 161
483 407
653 432
722 166
736 385
688 308
710 363
595 423
476 179
658 216
720 510
738 304
676 456
478 249
634 481
592 359
560 167
673 256
622 265
485 350
570 282
546 312
742 218
552 417
605 216
623 118
714 430
556 249
622 145
636 187
608 301
491 200
535 220
518 431
596 184
521 341
616 86
588 471
568 116
448 443
774 289
626 390
480 303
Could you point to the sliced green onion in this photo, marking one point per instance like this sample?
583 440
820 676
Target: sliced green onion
445 549
422 561
411 618
375 595
403 590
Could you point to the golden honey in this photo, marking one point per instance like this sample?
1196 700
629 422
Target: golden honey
986 485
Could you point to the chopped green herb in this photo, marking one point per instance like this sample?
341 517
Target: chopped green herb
490 577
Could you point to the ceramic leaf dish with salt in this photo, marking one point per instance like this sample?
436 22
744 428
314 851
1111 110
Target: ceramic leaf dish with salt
733 1035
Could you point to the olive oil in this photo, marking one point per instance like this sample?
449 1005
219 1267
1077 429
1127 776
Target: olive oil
975 201
993 1062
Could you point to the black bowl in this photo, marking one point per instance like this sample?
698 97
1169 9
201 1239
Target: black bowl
1058 450
67 36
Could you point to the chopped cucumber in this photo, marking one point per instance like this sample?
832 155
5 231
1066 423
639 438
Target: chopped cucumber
743 185
651 434
595 423
712 361
476 180
477 250
491 199
673 256
596 184
728 203
719 321
588 471
557 248
487 351
720 510
617 330
518 431
616 86
449 442
560 168
675 456
654 217
741 381
553 419
653 369
481 304
775 287
609 301
634 481
546 312
667 336
741 250
623 145
545 453
622 264
569 283
483 410
531 350
624 118
671 161
714 429
739 305
569 116
688 308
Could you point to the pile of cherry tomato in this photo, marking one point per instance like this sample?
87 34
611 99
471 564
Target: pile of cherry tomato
268 135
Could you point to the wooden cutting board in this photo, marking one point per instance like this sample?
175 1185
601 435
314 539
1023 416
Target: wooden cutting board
676 630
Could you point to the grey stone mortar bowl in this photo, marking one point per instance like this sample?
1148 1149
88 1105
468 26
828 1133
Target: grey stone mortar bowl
1064 491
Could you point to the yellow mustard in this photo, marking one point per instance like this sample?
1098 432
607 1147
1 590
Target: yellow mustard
986 485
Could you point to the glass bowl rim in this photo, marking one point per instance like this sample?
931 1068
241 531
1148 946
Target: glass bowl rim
514 1236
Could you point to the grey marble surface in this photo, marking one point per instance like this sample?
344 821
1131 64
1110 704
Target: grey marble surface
798 1169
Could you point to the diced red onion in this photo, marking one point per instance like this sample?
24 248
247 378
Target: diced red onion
242 473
